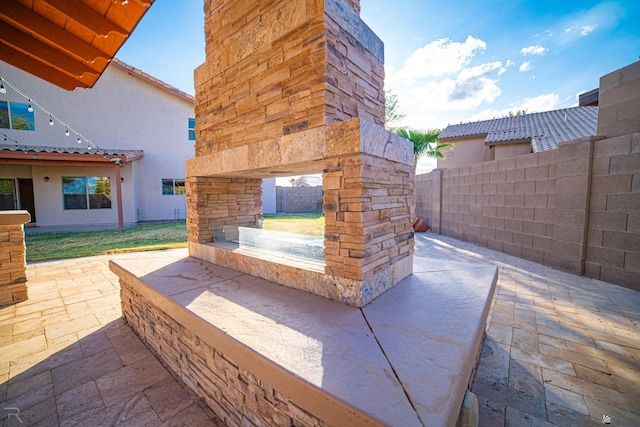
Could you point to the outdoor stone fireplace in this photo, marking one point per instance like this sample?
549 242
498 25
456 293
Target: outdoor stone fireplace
296 87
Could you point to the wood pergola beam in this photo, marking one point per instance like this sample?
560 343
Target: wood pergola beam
66 42
19 15
46 72
46 53
87 17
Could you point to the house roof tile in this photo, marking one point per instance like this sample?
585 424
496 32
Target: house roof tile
545 130
126 154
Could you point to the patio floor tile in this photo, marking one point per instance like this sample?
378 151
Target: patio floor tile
560 350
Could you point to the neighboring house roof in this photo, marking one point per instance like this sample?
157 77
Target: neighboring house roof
543 130
152 80
308 181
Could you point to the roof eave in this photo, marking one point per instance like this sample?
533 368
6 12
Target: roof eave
508 142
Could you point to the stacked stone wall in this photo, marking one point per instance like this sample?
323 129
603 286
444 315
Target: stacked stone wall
368 202
13 266
221 201
281 69
234 393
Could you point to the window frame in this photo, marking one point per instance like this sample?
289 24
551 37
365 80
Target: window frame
88 202
8 115
192 128
174 186
13 195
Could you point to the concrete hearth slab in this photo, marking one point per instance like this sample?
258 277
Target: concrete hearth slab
405 359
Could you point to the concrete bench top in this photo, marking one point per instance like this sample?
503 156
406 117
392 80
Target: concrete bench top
405 359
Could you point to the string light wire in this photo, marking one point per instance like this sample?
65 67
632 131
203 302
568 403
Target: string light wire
68 129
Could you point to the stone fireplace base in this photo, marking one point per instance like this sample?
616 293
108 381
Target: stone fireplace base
368 201
263 354
302 274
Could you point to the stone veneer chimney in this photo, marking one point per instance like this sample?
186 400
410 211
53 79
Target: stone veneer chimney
296 87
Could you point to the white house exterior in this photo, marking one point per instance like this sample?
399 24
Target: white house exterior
140 130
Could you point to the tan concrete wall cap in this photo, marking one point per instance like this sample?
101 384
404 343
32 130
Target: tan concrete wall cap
14 217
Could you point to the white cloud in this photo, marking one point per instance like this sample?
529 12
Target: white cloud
587 29
530 105
539 103
525 66
458 94
533 50
605 14
438 58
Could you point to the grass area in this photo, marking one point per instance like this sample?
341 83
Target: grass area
304 223
47 246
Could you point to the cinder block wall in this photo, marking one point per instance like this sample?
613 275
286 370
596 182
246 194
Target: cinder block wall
619 102
299 199
576 208
613 234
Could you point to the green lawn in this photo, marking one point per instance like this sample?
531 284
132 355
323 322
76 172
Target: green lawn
47 246
305 223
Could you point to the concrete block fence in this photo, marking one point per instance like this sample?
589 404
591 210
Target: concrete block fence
576 208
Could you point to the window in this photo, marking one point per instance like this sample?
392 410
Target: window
4 115
90 192
7 194
15 115
173 186
192 129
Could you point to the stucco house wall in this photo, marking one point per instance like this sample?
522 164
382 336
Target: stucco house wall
466 151
121 111
504 151
469 151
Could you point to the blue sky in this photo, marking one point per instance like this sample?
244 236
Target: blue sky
447 61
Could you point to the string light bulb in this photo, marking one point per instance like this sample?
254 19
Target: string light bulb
66 131
2 88
30 107
79 140
50 120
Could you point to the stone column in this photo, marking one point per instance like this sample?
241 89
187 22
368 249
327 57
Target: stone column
13 264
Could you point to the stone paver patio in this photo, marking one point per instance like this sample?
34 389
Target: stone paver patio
560 350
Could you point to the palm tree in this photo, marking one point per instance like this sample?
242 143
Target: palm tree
424 143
